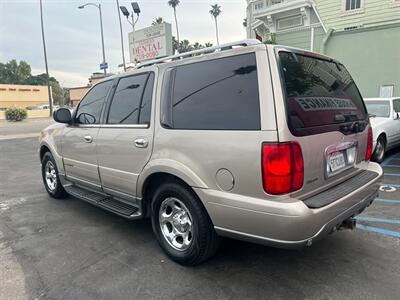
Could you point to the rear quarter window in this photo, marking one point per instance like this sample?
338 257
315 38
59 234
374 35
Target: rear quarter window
320 95
220 94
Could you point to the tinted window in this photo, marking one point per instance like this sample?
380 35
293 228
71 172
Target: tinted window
145 111
89 109
378 108
217 94
320 95
396 105
131 103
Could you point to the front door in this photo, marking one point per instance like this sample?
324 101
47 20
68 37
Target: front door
80 138
124 142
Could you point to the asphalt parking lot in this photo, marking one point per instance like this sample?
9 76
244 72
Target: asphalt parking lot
70 249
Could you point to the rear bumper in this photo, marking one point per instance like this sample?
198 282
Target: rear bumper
288 223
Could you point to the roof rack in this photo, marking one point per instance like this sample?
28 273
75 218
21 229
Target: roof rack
223 47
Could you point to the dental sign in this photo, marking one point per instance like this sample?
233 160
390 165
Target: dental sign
150 43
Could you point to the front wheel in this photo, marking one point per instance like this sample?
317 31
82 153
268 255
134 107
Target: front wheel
181 224
51 180
380 149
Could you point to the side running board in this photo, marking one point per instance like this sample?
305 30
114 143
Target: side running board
117 206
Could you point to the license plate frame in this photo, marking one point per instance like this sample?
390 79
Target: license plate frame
340 157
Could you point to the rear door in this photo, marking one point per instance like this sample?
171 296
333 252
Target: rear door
125 141
323 111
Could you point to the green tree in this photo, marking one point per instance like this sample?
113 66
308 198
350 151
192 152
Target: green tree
20 73
272 40
174 4
216 12
67 97
157 21
208 44
14 73
175 44
57 93
244 22
197 46
184 46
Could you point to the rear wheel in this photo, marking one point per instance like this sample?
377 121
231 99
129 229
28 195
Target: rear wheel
380 149
181 224
50 177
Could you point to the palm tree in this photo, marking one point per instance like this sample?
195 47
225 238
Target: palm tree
215 12
157 21
184 46
175 45
174 4
208 44
197 46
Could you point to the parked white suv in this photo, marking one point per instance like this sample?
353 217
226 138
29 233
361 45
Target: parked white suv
385 121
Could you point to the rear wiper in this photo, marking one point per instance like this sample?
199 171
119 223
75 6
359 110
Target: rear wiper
371 115
339 118
353 127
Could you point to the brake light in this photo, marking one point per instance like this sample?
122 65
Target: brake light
368 152
282 167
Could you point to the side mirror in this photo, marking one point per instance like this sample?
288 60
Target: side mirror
62 115
396 116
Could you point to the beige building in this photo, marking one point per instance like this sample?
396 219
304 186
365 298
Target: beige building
22 95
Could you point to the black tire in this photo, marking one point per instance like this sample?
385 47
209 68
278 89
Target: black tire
58 191
380 150
204 239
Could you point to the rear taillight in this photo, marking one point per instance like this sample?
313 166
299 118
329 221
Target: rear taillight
282 167
368 152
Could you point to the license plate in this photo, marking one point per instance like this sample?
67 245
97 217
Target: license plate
336 162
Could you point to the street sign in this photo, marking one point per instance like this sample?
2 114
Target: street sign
150 42
103 66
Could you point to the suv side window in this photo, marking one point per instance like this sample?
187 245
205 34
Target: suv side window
220 94
396 105
89 109
131 103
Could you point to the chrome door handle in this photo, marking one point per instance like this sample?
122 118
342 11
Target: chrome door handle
141 143
88 139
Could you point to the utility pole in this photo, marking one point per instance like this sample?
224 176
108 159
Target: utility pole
122 36
102 40
104 65
45 61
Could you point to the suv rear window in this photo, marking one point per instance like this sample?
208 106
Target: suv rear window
321 96
220 94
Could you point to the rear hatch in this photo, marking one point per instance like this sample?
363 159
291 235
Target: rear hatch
326 115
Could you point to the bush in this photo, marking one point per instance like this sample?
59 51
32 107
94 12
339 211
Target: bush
15 114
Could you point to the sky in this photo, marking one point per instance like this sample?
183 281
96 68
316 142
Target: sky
73 35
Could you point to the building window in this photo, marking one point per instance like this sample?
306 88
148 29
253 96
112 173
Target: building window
353 4
259 5
289 22
386 91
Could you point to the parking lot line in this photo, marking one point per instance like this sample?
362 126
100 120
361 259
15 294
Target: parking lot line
378 220
383 200
379 230
389 160
391 174
390 184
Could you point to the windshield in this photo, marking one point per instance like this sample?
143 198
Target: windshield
320 95
378 109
